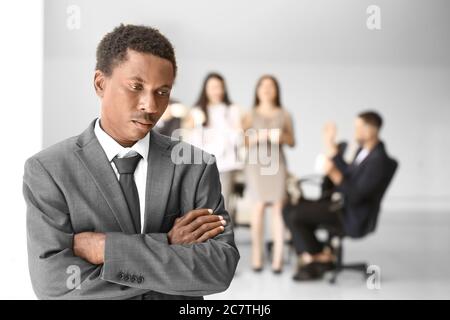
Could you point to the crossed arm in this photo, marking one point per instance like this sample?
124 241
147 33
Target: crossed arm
197 257
197 226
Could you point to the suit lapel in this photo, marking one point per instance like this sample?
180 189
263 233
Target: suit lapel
159 181
93 157
356 154
369 156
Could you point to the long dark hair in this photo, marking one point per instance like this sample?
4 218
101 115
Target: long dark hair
277 99
203 101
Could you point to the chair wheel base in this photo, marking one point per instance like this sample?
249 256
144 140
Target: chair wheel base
359 267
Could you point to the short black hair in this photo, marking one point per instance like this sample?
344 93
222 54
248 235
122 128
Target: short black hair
112 49
372 118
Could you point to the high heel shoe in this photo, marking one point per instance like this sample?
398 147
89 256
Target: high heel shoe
277 271
257 269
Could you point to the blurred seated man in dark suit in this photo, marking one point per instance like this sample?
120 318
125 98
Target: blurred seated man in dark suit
361 185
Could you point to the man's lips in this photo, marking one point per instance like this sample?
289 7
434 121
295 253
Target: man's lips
142 125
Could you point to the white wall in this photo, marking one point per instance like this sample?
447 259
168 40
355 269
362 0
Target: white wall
329 64
21 33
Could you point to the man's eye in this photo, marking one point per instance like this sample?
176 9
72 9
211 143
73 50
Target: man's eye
163 92
136 86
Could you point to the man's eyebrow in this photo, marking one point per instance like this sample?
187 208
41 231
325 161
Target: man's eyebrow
137 78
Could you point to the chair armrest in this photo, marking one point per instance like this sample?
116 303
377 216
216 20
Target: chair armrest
316 179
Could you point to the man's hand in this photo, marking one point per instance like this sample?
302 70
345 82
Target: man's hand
90 246
329 139
328 166
332 172
195 227
329 132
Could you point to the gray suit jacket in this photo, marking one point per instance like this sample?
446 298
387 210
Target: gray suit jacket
70 188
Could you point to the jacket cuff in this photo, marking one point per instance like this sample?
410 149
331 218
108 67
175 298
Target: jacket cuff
118 267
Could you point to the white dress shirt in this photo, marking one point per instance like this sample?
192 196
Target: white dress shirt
112 149
362 155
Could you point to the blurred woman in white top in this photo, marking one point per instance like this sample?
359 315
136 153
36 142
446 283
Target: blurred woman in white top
216 128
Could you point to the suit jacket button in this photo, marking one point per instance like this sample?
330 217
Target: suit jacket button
134 278
140 279
120 275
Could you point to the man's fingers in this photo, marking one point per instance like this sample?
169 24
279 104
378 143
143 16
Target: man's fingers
207 227
193 214
210 234
198 222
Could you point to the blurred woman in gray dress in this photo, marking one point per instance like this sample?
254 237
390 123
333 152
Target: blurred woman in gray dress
268 128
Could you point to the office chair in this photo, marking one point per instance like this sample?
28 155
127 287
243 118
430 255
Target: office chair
336 234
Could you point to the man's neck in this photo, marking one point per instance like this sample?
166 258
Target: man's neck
370 144
125 144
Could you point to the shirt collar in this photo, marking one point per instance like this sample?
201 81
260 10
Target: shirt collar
112 148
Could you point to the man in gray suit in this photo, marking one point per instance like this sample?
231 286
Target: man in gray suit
121 211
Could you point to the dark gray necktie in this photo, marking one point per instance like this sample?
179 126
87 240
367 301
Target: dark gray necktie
126 168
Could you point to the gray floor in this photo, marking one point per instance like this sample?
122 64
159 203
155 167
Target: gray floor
412 250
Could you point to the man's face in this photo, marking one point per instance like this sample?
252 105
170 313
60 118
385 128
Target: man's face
363 131
134 96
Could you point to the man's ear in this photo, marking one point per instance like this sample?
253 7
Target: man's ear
99 83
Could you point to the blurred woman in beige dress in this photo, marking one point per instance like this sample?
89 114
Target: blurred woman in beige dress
268 128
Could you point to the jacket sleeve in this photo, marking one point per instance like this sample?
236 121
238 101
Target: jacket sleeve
341 165
190 270
56 273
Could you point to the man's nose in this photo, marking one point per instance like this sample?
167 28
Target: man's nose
147 103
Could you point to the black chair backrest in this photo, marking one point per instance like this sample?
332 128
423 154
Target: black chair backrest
392 166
